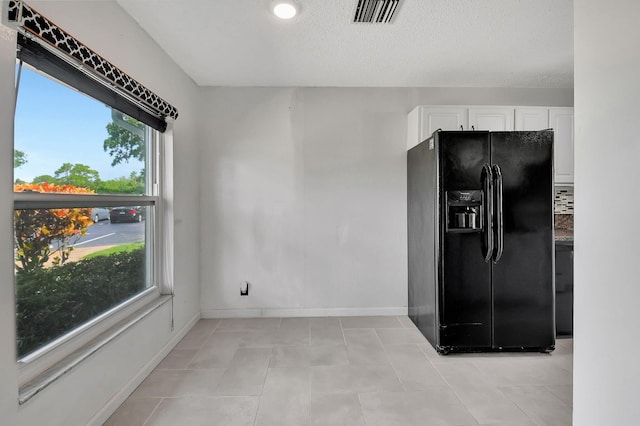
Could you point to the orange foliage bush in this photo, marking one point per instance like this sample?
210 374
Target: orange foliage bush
50 187
40 233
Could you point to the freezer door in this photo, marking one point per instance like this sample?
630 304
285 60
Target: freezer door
464 286
523 276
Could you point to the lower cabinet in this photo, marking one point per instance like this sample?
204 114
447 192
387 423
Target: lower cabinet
564 289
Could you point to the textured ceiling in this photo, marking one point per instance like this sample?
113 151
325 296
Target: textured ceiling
431 43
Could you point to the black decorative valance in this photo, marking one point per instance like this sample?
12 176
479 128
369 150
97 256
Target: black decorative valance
46 46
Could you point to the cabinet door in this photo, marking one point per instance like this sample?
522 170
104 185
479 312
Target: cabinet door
423 121
532 118
445 118
492 119
561 121
564 289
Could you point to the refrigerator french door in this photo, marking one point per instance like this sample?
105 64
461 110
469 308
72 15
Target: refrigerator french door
480 222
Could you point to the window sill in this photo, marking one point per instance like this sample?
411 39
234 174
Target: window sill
51 375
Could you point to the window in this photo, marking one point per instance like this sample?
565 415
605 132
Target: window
86 198
89 222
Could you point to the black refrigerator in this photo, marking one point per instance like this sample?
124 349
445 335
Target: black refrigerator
481 245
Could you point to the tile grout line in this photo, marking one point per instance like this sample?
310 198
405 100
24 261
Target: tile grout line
364 420
264 381
395 371
255 416
192 358
309 387
554 394
197 349
456 393
309 369
344 339
402 323
153 411
518 405
216 327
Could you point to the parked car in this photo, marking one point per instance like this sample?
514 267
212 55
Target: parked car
126 214
99 213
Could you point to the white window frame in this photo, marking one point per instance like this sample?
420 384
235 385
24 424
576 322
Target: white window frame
32 366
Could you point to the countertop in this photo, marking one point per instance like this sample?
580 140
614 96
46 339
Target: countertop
564 236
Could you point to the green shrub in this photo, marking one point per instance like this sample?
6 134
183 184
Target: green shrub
53 301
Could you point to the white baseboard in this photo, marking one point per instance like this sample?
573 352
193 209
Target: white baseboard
117 400
302 312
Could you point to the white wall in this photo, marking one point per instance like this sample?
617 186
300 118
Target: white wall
304 196
607 291
98 383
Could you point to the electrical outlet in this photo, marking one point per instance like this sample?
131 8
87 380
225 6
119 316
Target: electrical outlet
244 288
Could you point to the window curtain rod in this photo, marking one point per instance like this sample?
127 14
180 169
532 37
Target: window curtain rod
53 39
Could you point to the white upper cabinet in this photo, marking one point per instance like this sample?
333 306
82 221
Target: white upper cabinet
561 121
423 121
495 119
445 118
534 118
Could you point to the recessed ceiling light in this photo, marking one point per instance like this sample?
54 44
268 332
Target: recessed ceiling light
285 9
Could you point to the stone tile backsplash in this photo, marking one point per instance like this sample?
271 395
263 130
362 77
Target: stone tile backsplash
563 200
563 207
563 221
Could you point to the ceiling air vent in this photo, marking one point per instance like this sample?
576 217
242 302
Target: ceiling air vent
375 11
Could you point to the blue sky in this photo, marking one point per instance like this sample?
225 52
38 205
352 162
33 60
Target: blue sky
55 124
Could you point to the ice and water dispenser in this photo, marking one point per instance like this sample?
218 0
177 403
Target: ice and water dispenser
464 211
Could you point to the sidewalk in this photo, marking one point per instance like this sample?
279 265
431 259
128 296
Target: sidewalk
77 254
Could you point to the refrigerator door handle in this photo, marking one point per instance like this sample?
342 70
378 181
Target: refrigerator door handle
497 175
487 183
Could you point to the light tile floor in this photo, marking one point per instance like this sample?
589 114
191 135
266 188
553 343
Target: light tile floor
371 371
